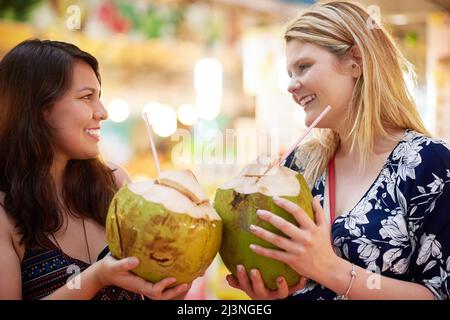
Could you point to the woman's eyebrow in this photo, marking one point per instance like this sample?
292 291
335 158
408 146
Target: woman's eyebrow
87 88
298 61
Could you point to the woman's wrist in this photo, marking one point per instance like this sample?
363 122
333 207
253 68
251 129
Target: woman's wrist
336 275
98 275
88 284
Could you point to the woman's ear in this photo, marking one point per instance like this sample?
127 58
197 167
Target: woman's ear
46 114
354 58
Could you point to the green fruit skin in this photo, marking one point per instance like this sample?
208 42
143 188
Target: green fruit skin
167 244
238 212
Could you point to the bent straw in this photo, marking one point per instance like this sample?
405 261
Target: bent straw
312 126
152 144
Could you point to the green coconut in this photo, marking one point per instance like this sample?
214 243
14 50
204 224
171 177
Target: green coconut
237 201
168 224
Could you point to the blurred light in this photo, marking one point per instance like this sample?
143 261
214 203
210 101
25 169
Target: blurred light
208 105
208 85
118 110
115 148
207 130
187 114
152 109
141 177
208 75
399 19
165 121
299 116
283 77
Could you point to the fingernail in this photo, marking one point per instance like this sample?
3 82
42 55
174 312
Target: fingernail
276 198
252 246
133 260
280 280
253 228
261 213
240 268
253 271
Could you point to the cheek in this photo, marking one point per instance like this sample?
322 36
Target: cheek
68 128
74 117
312 79
337 89
67 139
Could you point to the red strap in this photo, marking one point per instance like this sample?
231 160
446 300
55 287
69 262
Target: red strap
331 189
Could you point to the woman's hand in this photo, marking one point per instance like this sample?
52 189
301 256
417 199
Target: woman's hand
117 272
307 249
254 286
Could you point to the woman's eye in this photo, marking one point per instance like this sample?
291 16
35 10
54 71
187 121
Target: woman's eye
88 97
303 67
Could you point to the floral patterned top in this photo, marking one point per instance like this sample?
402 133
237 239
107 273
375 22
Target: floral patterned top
401 227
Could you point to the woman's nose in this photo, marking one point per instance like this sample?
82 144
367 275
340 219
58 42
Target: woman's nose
100 113
293 86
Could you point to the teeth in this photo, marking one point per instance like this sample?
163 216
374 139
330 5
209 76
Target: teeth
307 99
93 132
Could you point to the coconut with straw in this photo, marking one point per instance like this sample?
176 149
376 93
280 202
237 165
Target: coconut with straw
168 223
254 188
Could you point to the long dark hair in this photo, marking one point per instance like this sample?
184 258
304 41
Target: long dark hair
33 75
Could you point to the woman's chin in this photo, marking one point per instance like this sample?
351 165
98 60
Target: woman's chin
312 113
310 116
90 154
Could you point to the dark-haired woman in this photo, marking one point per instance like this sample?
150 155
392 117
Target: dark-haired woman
54 189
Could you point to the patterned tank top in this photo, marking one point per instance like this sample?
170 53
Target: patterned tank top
46 270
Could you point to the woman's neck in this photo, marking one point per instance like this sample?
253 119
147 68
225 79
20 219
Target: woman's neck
381 145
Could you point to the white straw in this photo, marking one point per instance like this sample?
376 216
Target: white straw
152 144
312 126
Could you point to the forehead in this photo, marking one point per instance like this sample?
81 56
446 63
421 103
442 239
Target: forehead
84 76
297 50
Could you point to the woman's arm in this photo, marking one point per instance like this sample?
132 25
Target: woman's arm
10 275
10 270
120 174
88 287
367 285
308 250
110 271
86 284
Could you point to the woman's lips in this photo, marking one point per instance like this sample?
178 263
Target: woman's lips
93 133
307 99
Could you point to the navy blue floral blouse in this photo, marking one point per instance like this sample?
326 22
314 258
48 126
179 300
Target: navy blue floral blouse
401 227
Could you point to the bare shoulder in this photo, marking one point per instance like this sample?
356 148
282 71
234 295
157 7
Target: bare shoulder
120 174
8 230
6 225
10 279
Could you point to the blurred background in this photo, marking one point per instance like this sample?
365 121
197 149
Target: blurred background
211 75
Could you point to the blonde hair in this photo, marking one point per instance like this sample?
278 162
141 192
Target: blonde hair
380 98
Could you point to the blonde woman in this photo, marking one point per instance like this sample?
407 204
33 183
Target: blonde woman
373 167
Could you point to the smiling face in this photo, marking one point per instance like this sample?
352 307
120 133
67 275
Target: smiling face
319 79
75 117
